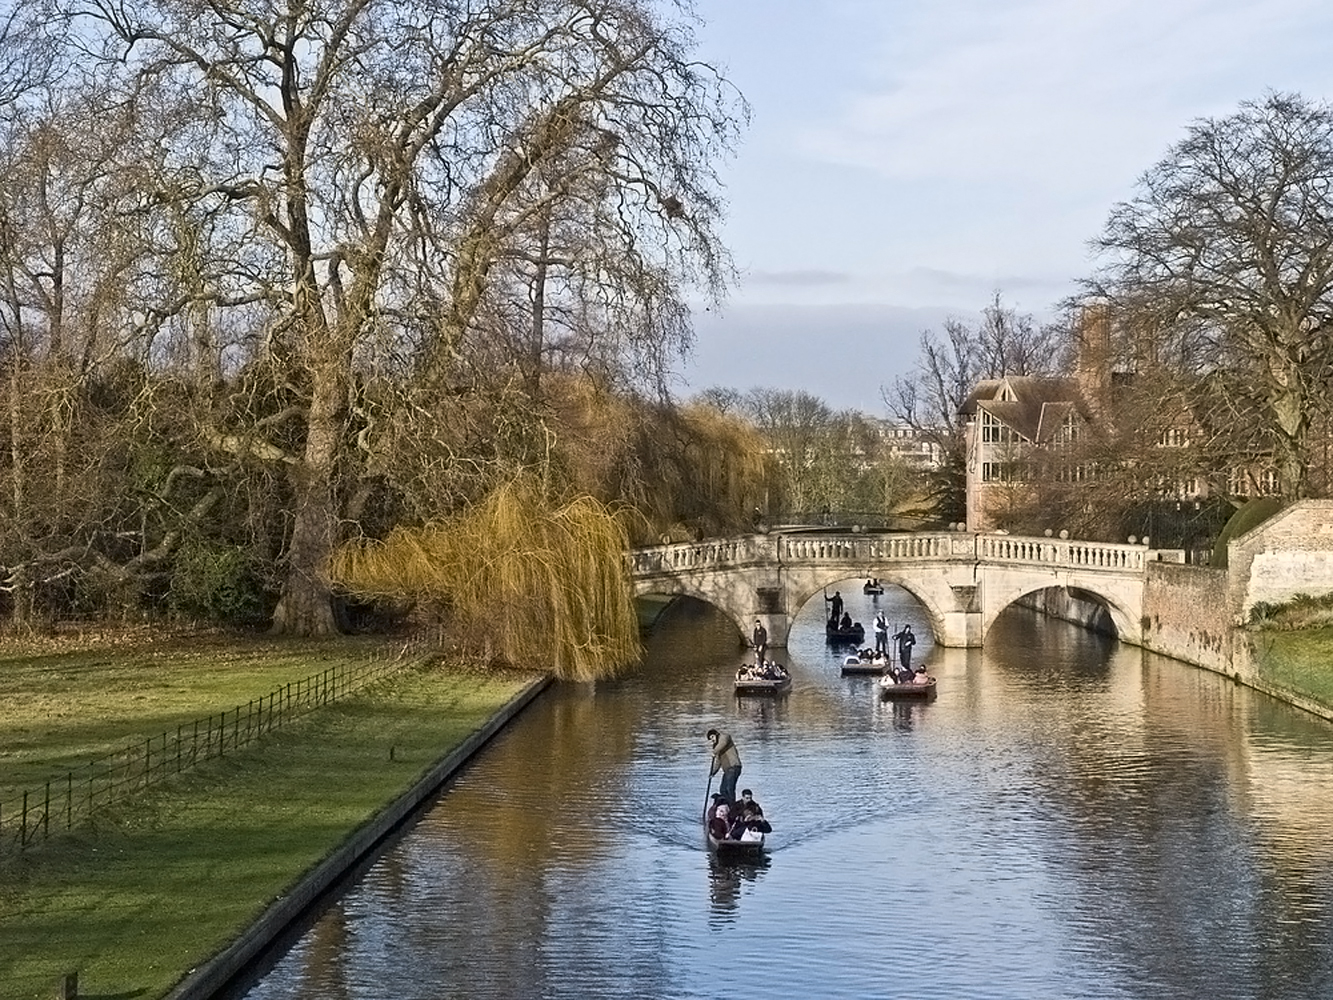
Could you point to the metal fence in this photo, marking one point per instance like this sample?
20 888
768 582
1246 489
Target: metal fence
72 798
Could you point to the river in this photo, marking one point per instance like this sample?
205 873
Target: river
1069 817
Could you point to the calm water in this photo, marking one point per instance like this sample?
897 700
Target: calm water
1068 818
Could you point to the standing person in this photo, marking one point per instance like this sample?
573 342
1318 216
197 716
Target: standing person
836 602
906 640
759 639
881 633
727 759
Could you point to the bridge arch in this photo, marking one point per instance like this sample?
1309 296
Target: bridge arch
803 588
1075 604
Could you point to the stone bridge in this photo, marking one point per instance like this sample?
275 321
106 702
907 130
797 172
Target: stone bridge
962 580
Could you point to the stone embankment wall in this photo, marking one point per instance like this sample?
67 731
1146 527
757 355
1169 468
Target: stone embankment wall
1186 614
1197 613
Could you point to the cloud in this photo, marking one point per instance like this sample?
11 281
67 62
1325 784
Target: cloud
1052 93
931 154
811 278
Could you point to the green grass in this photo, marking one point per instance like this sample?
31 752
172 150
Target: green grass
1301 661
63 708
150 890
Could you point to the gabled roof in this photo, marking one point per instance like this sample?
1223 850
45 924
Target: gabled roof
1035 406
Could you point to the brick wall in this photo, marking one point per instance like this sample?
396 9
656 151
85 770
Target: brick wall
1186 614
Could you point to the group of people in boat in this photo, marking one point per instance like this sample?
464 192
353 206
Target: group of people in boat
741 820
761 670
903 675
900 674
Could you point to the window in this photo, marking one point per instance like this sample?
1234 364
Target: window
995 432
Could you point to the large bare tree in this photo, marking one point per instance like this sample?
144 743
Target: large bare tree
363 190
1222 264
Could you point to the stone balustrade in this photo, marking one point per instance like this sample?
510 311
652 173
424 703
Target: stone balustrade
861 550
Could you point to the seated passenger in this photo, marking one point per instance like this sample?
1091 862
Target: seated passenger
921 677
720 824
750 820
846 624
748 803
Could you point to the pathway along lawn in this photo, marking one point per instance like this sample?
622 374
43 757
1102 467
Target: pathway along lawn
151 889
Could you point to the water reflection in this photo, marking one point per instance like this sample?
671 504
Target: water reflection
1067 818
726 879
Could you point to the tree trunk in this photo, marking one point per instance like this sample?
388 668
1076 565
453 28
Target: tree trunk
1292 421
306 605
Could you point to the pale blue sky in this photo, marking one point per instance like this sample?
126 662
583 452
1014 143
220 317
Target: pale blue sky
908 159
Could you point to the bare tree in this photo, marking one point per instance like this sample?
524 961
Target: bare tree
1223 265
367 185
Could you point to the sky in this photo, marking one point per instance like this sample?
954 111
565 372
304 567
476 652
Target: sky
907 160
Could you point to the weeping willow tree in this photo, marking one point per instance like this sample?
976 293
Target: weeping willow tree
532 581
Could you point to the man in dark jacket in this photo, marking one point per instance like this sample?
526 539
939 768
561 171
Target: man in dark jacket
759 638
727 759
906 640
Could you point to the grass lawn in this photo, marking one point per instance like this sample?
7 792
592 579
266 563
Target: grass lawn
1300 660
148 891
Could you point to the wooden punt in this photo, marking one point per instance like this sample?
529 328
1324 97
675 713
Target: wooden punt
888 688
856 665
757 685
734 848
856 633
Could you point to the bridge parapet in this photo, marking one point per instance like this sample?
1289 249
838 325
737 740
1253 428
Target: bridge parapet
875 548
718 554
857 549
1060 552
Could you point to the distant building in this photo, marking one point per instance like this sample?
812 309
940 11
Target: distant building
1021 431
1007 422
910 445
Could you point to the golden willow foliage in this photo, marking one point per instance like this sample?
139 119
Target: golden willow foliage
540 584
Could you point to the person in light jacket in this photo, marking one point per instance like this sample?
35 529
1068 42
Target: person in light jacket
727 759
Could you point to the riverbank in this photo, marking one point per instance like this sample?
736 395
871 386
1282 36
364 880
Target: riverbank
1296 666
152 889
